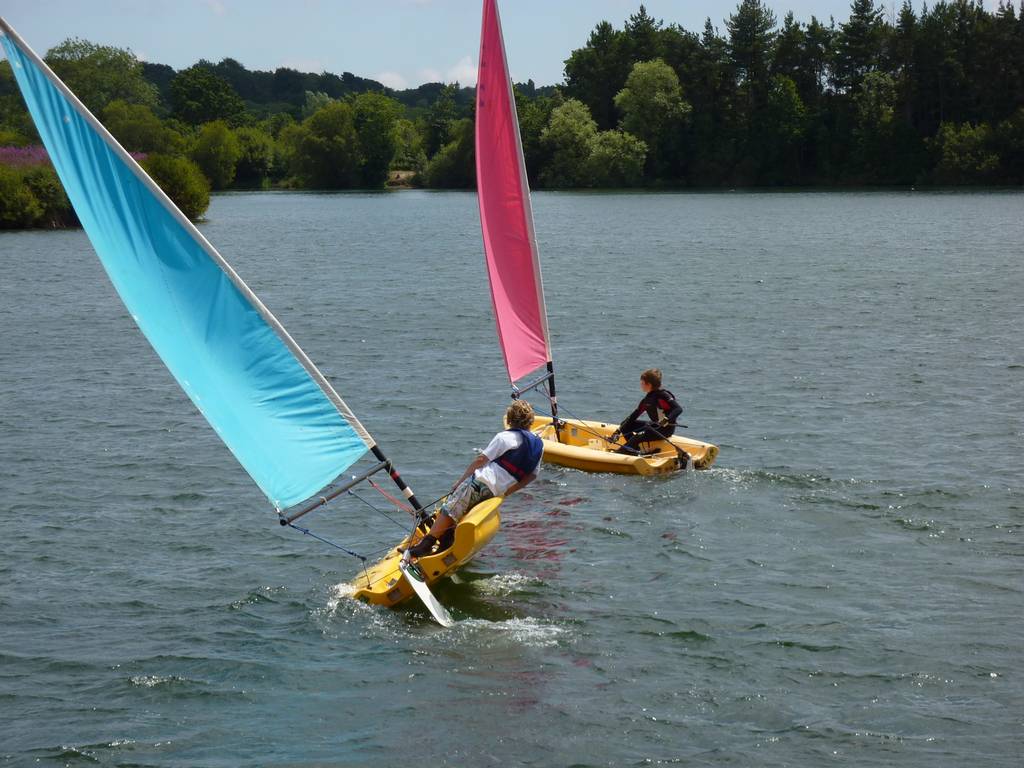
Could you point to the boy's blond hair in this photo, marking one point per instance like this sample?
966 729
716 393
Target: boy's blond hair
519 415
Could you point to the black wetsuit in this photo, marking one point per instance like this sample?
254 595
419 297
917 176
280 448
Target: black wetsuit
662 409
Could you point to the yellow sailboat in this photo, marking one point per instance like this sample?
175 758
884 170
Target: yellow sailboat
385 584
268 402
517 290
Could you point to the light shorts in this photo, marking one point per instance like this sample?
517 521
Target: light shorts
467 495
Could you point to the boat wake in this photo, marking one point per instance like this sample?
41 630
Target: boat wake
530 632
506 584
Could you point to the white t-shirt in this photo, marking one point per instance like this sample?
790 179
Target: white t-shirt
493 475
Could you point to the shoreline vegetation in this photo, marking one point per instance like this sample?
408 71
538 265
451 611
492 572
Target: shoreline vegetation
919 96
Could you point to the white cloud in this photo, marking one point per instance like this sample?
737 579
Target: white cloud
429 76
305 65
464 72
217 7
392 80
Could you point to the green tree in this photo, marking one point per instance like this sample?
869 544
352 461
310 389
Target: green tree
139 130
798 56
454 167
750 42
255 158
100 74
1001 62
819 57
874 102
315 100
643 36
45 186
199 96
568 137
653 108
964 154
534 115
216 151
276 123
33 197
409 152
787 57
19 208
16 126
182 181
375 117
901 57
616 159
324 148
712 133
440 119
784 126
596 72
860 43
1009 143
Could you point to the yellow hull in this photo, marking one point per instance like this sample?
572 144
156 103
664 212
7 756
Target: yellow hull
581 445
384 583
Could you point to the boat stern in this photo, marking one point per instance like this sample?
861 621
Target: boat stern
385 584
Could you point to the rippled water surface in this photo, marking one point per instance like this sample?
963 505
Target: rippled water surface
844 586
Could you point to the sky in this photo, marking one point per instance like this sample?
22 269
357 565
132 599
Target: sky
401 43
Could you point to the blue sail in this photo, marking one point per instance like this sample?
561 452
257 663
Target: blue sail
265 399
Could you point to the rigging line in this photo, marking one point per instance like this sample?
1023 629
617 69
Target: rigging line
436 501
378 511
308 532
518 393
366 575
416 520
428 505
397 502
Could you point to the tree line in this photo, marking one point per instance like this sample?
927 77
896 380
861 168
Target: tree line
934 96
909 97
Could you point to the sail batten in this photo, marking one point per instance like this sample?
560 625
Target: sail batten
261 393
506 212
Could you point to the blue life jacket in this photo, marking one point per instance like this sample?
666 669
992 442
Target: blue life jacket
524 458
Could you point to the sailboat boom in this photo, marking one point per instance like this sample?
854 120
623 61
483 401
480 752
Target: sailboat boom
517 391
288 519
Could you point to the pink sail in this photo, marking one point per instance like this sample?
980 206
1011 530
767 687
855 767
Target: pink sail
506 217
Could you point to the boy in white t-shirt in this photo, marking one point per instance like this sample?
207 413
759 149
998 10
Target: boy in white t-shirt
509 462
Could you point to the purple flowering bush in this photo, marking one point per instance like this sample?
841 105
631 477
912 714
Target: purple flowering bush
35 154
23 157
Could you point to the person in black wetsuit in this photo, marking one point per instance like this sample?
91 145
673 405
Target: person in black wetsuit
661 408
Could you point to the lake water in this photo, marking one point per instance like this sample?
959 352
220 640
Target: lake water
845 586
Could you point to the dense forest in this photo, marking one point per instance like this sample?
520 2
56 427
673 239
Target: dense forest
933 95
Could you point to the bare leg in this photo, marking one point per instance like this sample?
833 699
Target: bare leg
441 524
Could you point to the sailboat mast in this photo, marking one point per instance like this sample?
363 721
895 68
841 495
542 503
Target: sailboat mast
397 478
551 393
